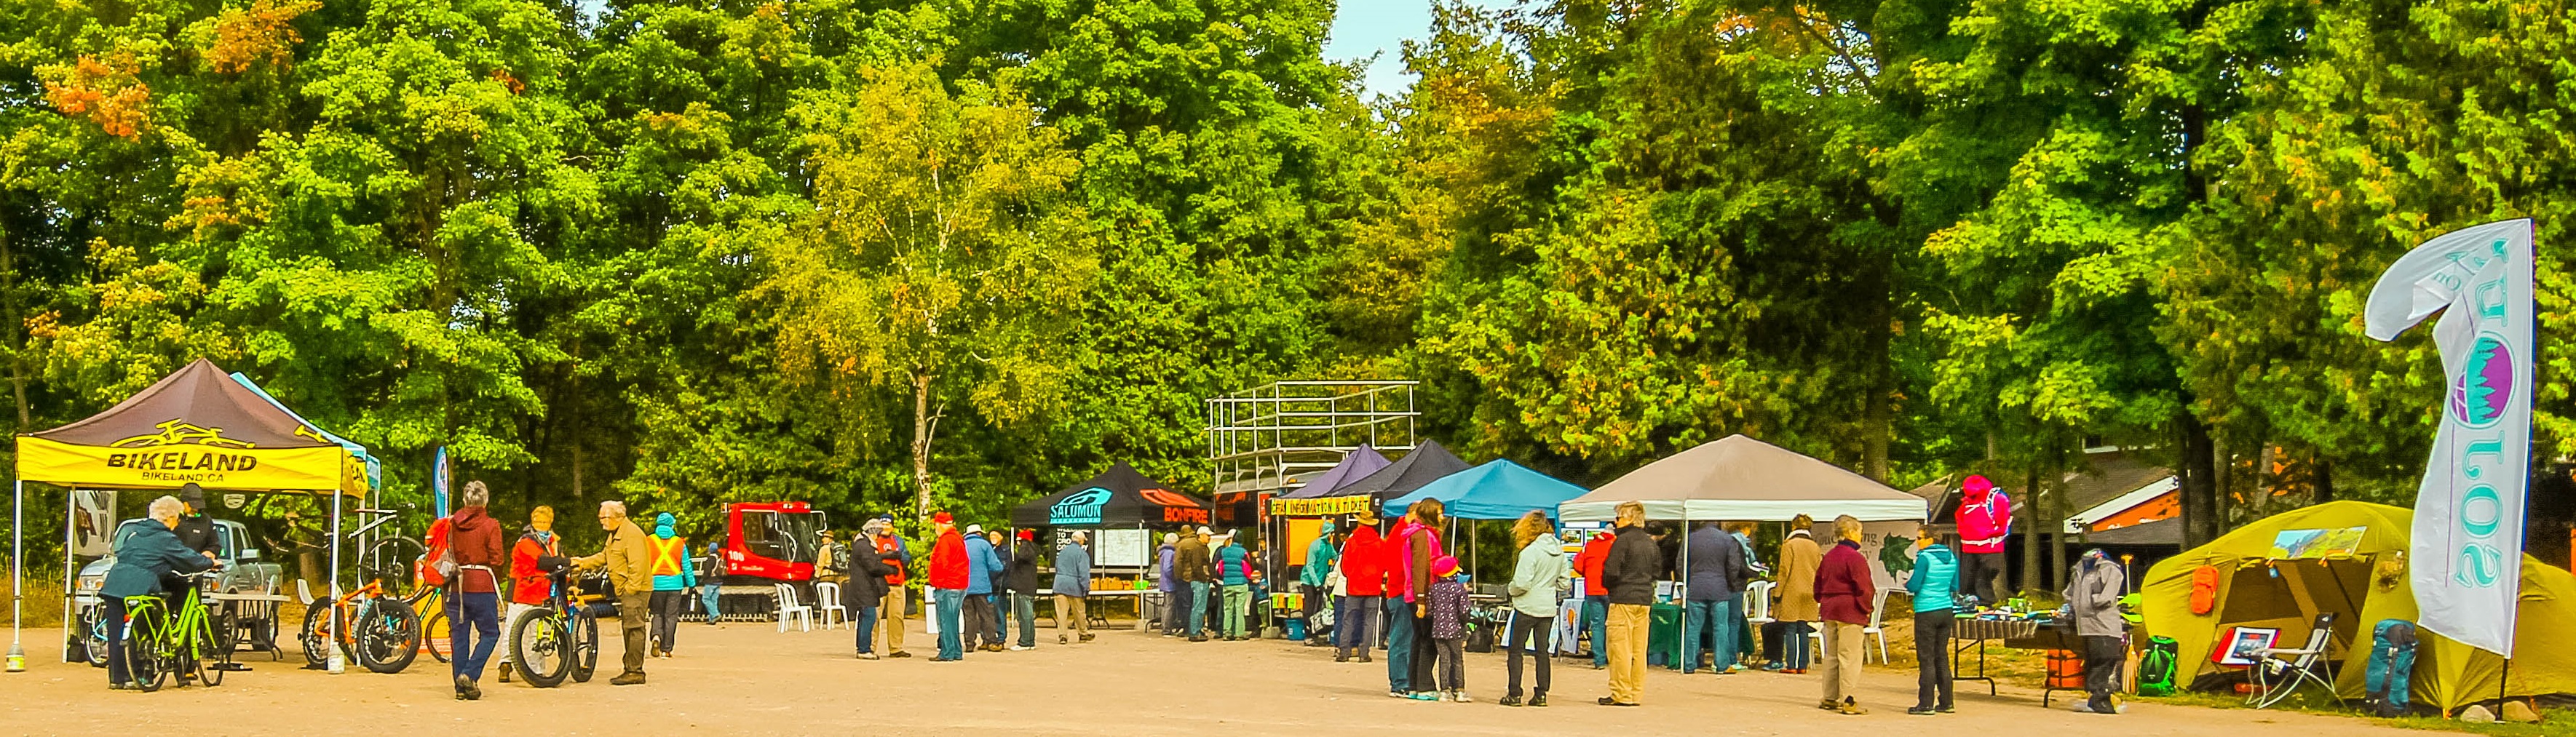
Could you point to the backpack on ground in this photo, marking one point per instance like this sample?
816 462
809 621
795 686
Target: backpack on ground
2156 666
2392 660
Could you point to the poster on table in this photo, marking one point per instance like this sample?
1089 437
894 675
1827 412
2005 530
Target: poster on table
2466 557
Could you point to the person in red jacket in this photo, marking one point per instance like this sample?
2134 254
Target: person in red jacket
530 587
1844 596
948 579
1596 597
1364 581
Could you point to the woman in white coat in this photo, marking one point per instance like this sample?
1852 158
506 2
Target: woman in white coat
1539 579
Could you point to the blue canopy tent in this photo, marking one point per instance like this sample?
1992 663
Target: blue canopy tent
1497 490
375 466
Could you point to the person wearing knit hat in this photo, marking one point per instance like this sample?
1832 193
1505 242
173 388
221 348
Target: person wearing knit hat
1020 580
1985 518
1448 617
672 579
948 564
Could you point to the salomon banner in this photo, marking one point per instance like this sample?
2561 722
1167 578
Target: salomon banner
2467 555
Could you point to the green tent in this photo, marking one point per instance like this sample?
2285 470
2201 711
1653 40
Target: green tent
2348 558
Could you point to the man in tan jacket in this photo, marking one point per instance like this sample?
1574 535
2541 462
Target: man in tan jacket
1797 611
625 558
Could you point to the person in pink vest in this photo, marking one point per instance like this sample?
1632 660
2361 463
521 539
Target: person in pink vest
1985 521
1409 549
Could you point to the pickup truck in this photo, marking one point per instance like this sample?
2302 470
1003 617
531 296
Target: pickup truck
242 569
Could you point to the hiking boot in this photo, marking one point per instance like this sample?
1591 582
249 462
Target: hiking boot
899 654
1829 705
1509 701
1086 637
1364 657
505 672
629 678
465 689
1852 706
1539 700
1946 709
1198 638
1920 711
1608 701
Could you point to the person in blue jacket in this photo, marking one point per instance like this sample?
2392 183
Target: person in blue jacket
1935 585
146 551
982 564
1072 586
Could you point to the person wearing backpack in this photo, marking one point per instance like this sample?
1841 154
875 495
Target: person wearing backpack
711 581
474 544
2092 594
1985 517
1935 585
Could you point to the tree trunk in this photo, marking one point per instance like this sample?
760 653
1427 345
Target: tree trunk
921 429
1879 415
2057 513
2198 472
2324 484
2031 575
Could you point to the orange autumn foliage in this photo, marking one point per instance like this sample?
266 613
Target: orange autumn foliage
102 91
243 36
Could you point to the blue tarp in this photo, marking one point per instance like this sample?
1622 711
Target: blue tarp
375 468
1497 490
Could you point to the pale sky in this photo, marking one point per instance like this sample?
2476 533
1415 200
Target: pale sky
1368 26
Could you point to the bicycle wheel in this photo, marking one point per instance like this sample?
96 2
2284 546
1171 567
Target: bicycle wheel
208 651
317 636
541 647
96 627
391 564
434 628
585 645
388 635
146 662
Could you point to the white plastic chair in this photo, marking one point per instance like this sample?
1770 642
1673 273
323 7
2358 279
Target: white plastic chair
827 599
788 607
1757 603
1877 614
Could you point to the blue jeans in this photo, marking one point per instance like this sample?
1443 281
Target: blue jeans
1025 607
1596 619
1796 650
864 619
1357 622
707 593
1399 655
950 602
479 613
1705 623
1198 607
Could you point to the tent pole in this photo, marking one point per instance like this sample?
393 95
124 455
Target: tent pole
71 575
17 577
338 625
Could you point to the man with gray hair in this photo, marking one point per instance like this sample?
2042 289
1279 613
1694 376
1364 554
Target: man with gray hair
624 557
1072 584
1629 573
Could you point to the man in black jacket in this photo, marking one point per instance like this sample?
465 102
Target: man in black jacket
1020 578
194 530
1629 572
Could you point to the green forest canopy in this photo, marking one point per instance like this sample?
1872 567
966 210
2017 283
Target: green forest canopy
875 254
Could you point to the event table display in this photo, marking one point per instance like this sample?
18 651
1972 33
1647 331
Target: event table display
1980 630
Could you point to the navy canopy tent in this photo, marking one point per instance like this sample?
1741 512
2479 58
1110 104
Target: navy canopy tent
1497 490
1355 465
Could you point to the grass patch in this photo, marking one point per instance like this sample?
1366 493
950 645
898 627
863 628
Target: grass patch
2553 722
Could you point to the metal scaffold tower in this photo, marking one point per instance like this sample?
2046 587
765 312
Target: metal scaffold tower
1264 439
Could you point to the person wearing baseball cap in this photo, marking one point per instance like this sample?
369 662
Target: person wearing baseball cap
1363 587
194 530
1192 560
948 579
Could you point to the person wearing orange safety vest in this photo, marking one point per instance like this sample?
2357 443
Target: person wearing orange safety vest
668 561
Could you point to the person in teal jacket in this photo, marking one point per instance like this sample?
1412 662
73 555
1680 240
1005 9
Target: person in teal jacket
1935 585
1316 577
1234 571
146 551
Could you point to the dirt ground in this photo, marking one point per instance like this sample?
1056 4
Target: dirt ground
747 678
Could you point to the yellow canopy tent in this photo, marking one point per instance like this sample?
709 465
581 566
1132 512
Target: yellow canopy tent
2349 559
198 426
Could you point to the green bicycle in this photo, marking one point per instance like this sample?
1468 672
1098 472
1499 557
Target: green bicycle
160 643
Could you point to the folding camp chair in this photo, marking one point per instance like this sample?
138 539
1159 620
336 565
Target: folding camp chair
2280 672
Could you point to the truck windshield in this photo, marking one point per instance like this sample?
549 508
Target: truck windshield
785 536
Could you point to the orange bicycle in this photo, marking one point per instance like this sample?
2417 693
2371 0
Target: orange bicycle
369 625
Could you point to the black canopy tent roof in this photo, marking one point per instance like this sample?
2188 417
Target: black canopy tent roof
1427 463
1118 497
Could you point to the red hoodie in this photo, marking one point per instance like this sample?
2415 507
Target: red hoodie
476 539
1363 571
948 561
1588 565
